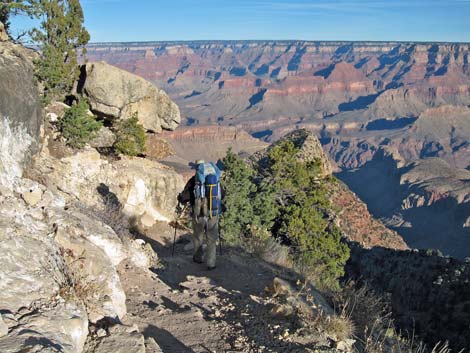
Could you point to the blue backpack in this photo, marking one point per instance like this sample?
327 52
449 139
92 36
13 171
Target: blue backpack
207 191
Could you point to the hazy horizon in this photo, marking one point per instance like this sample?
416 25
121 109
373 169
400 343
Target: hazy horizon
277 40
299 20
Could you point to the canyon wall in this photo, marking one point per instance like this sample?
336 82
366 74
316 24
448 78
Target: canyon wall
369 103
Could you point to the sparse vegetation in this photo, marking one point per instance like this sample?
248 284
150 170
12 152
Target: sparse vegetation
339 327
78 126
262 244
66 269
375 329
130 136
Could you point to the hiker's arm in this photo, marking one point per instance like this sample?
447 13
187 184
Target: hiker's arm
185 195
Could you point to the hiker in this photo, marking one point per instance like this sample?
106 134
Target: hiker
204 193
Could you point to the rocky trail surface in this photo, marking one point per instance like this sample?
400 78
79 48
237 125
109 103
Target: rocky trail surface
183 307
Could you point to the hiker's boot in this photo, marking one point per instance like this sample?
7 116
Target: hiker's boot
197 259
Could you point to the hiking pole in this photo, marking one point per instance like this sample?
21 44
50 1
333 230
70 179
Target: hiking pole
220 243
174 241
176 225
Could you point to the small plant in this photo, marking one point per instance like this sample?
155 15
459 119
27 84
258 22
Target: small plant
67 270
130 136
77 125
339 327
262 244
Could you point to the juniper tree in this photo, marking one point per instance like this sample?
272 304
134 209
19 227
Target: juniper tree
77 126
60 36
288 197
303 206
239 187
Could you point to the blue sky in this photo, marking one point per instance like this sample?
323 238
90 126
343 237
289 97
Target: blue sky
403 20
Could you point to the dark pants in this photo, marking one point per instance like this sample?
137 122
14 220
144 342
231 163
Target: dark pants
211 236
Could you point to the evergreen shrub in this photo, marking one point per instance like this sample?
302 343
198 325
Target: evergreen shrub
130 136
77 126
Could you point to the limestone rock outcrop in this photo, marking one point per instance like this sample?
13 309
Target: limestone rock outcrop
311 150
64 221
116 93
3 33
60 271
143 188
35 292
20 109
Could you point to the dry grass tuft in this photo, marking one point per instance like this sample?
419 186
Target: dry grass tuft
376 332
337 327
67 270
263 245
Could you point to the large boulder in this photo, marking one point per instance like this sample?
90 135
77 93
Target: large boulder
20 110
116 93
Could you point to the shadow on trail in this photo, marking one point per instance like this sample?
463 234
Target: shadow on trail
167 342
238 281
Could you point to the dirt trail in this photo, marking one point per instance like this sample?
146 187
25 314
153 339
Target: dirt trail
186 308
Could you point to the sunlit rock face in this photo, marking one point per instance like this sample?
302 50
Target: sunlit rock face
117 94
143 188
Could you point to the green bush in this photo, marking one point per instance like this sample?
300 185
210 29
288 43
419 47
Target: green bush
130 136
316 243
288 198
77 126
238 188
